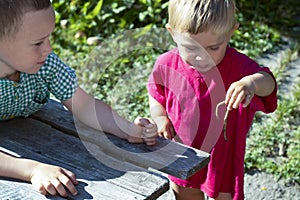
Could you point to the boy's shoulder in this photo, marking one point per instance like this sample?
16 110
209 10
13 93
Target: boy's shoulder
237 62
234 56
171 53
52 59
168 57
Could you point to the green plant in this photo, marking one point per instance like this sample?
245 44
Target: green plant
121 66
273 145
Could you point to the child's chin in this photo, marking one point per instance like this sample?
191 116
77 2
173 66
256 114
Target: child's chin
34 70
203 68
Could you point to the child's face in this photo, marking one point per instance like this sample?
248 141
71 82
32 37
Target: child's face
202 51
29 48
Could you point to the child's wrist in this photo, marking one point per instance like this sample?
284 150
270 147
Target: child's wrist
29 168
251 83
133 131
159 118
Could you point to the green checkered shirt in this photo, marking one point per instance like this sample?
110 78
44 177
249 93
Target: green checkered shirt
33 90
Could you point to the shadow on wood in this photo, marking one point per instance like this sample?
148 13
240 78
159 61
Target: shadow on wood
166 156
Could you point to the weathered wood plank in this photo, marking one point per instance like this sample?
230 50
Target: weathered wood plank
167 156
32 139
14 190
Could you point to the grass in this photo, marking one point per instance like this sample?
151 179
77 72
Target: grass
273 145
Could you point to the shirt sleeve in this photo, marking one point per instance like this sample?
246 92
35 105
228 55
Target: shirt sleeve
268 103
155 85
246 66
60 78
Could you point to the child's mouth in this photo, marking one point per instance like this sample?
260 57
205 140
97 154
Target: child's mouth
41 63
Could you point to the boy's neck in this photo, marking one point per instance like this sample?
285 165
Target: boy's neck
7 72
15 76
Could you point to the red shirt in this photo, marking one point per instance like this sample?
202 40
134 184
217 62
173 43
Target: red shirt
190 99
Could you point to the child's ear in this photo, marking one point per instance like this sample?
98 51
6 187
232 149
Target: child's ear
236 26
169 28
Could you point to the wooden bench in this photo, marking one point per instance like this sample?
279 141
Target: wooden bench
106 166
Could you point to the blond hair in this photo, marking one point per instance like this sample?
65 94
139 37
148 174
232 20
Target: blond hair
197 16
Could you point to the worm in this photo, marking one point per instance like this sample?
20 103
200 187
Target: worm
225 118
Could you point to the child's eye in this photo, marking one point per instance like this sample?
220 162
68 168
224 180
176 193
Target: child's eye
38 44
190 48
214 48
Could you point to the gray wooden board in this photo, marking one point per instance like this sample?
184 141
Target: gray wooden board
167 156
32 139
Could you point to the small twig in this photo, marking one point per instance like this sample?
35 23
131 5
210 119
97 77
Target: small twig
225 118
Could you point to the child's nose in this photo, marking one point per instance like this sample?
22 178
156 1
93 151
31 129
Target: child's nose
199 58
47 47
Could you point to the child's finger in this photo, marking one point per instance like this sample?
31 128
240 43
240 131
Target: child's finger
160 134
167 135
68 183
149 127
58 185
231 101
229 95
142 121
248 99
150 137
40 188
49 187
172 131
71 175
239 99
150 141
150 131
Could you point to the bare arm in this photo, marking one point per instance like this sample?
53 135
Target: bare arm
16 167
160 117
45 178
260 84
100 116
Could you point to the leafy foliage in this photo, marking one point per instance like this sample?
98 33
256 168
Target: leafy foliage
82 19
274 144
126 61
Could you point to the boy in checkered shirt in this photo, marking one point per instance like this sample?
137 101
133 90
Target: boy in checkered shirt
29 72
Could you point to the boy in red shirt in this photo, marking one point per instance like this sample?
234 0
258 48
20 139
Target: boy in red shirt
195 86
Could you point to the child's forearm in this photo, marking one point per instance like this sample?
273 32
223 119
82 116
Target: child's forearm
17 168
111 122
156 109
159 115
264 83
100 116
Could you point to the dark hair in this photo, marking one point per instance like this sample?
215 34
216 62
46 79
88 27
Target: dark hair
12 11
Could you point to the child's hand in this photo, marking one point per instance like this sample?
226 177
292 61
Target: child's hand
240 92
149 130
165 127
53 180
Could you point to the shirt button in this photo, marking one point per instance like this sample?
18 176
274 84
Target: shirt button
17 97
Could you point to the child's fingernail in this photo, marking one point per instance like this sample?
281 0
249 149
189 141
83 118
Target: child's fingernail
149 125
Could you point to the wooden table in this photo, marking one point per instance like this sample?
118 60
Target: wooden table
107 167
